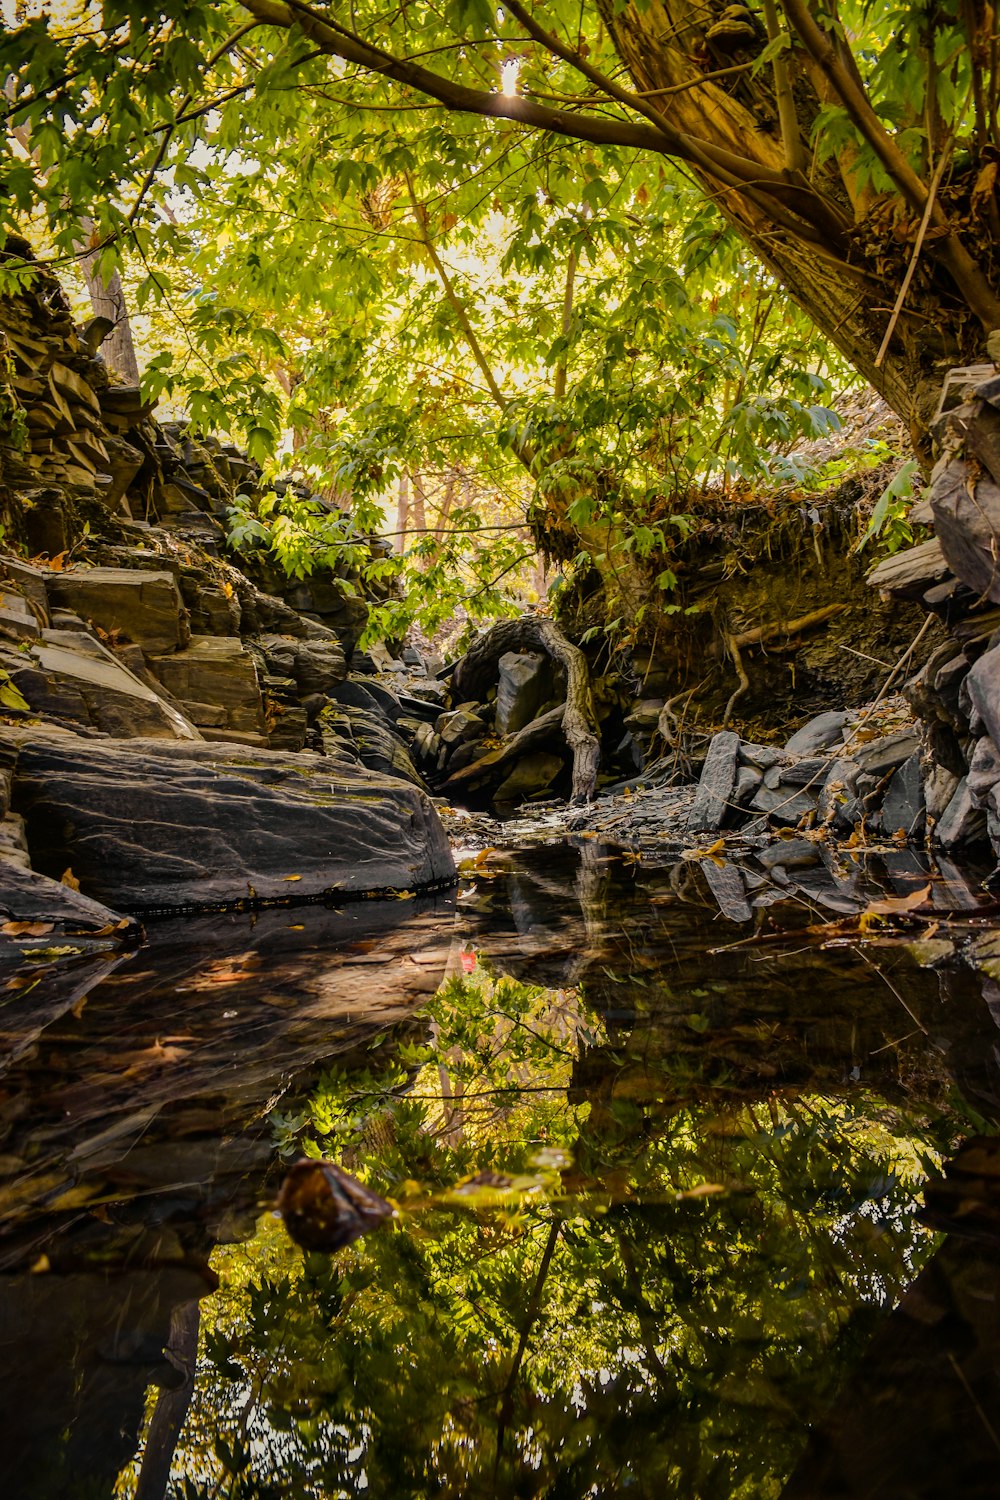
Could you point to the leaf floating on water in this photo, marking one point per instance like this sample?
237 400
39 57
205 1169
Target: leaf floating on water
325 1208
291 877
894 906
713 849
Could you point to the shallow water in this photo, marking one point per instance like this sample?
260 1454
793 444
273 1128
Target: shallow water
694 1266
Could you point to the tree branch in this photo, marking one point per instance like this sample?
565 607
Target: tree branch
454 300
951 252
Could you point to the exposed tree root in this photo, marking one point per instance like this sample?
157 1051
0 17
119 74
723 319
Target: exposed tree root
762 633
478 669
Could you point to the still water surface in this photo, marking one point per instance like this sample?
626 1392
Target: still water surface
690 1264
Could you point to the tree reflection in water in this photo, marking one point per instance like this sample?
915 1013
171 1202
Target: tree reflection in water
665 1299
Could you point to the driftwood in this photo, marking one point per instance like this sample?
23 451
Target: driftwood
512 748
477 671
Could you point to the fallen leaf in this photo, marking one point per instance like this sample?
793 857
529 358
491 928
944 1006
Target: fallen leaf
892 906
27 929
292 877
68 878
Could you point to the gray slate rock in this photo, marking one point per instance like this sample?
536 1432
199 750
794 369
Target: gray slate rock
314 666
525 683
967 524
903 807
983 687
146 825
463 724
726 884
372 740
790 854
984 770
821 732
839 804
531 775
717 783
783 807
26 896
885 754
962 823
761 757
71 676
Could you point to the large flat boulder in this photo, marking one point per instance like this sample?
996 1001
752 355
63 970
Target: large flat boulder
147 825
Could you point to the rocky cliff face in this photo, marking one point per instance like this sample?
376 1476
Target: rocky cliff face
122 620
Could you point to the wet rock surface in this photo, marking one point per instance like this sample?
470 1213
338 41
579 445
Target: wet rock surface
146 826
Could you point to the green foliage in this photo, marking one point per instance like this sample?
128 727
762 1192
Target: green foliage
888 522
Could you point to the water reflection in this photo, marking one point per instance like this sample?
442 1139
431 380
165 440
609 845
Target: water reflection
701 1200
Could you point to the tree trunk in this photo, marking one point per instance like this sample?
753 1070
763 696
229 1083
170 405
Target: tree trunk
108 301
840 249
476 673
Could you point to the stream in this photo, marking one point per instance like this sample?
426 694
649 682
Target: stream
658 1182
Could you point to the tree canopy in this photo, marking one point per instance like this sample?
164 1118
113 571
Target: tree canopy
420 229
844 141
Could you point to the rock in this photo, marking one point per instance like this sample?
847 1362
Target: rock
17 619
962 824
428 692
838 805
810 771
821 732
885 754
211 610
903 807
531 775
315 666
145 607
716 785
907 575
428 711
147 826
984 770
761 757
983 687
628 754
372 740
645 714
463 724
789 854
525 683
784 808
967 522
26 896
354 694
940 786
287 726
216 670
747 781
426 742
72 676
726 884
